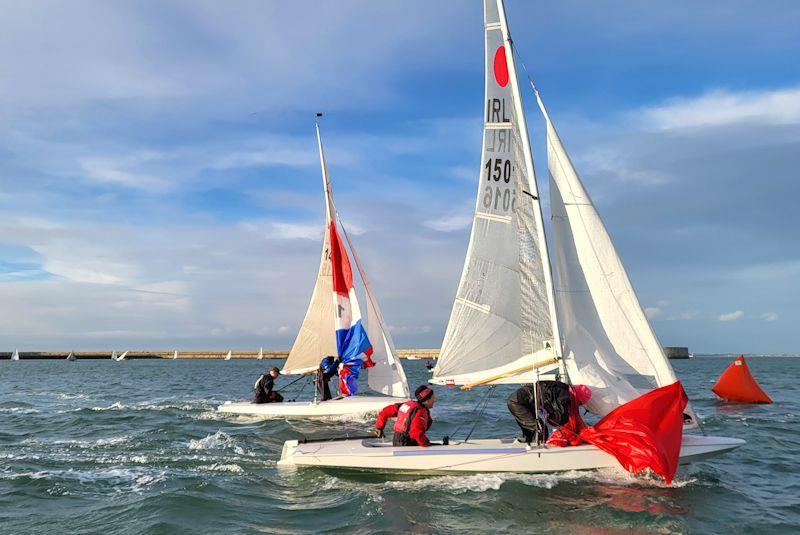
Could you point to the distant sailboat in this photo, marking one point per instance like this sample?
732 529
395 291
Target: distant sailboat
15 355
175 355
260 353
114 356
229 355
71 357
122 357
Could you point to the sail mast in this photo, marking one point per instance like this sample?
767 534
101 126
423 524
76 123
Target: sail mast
534 190
326 183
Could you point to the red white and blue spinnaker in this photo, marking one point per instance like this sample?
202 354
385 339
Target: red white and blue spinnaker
351 337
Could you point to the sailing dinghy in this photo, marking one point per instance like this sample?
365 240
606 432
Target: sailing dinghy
15 355
317 337
71 357
510 323
175 354
229 355
260 354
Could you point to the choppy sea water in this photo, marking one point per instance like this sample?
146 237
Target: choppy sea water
137 447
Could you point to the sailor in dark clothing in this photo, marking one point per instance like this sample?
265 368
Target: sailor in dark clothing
328 368
262 390
553 405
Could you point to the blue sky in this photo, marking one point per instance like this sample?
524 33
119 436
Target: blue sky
160 182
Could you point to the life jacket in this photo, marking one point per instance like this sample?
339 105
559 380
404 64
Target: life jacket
402 424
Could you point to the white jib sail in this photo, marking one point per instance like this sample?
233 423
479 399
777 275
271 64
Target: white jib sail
387 376
608 342
503 317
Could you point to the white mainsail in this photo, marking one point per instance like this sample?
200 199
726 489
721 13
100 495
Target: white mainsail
317 336
15 355
113 355
71 357
608 342
175 354
229 355
503 317
260 353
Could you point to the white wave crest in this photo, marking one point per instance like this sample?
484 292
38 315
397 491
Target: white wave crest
218 467
218 441
19 410
456 484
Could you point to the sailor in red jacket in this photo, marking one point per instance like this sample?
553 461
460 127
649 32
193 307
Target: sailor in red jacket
413 419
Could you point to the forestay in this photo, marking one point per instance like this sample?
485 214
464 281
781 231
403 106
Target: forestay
608 343
502 317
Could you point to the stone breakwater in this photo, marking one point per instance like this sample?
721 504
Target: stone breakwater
189 354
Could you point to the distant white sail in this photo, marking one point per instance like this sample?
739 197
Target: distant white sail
71 357
608 342
15 355
260 353
122 357
175 355
503 315
229 355
114 355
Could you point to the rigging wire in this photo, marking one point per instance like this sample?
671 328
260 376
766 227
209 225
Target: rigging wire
477 413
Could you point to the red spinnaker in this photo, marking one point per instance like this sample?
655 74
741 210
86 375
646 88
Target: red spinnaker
644 433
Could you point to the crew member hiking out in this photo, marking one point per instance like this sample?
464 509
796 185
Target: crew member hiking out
262 390
327 369
413 419
557 404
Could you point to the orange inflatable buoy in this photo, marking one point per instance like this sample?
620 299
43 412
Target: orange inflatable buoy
737 384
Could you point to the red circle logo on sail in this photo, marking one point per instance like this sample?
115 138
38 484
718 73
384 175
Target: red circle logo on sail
500 66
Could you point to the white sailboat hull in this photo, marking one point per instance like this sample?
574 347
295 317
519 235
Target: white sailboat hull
352 406
489 455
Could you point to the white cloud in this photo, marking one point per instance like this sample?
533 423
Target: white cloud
449 223
683 316
731 316
721 108
652 312
112 171
769 316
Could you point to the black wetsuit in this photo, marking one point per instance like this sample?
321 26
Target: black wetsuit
553 401
263 392
321 381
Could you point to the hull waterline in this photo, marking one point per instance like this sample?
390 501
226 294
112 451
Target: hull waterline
489 455
352 406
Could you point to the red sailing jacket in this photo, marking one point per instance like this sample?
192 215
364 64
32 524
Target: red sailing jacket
415 429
